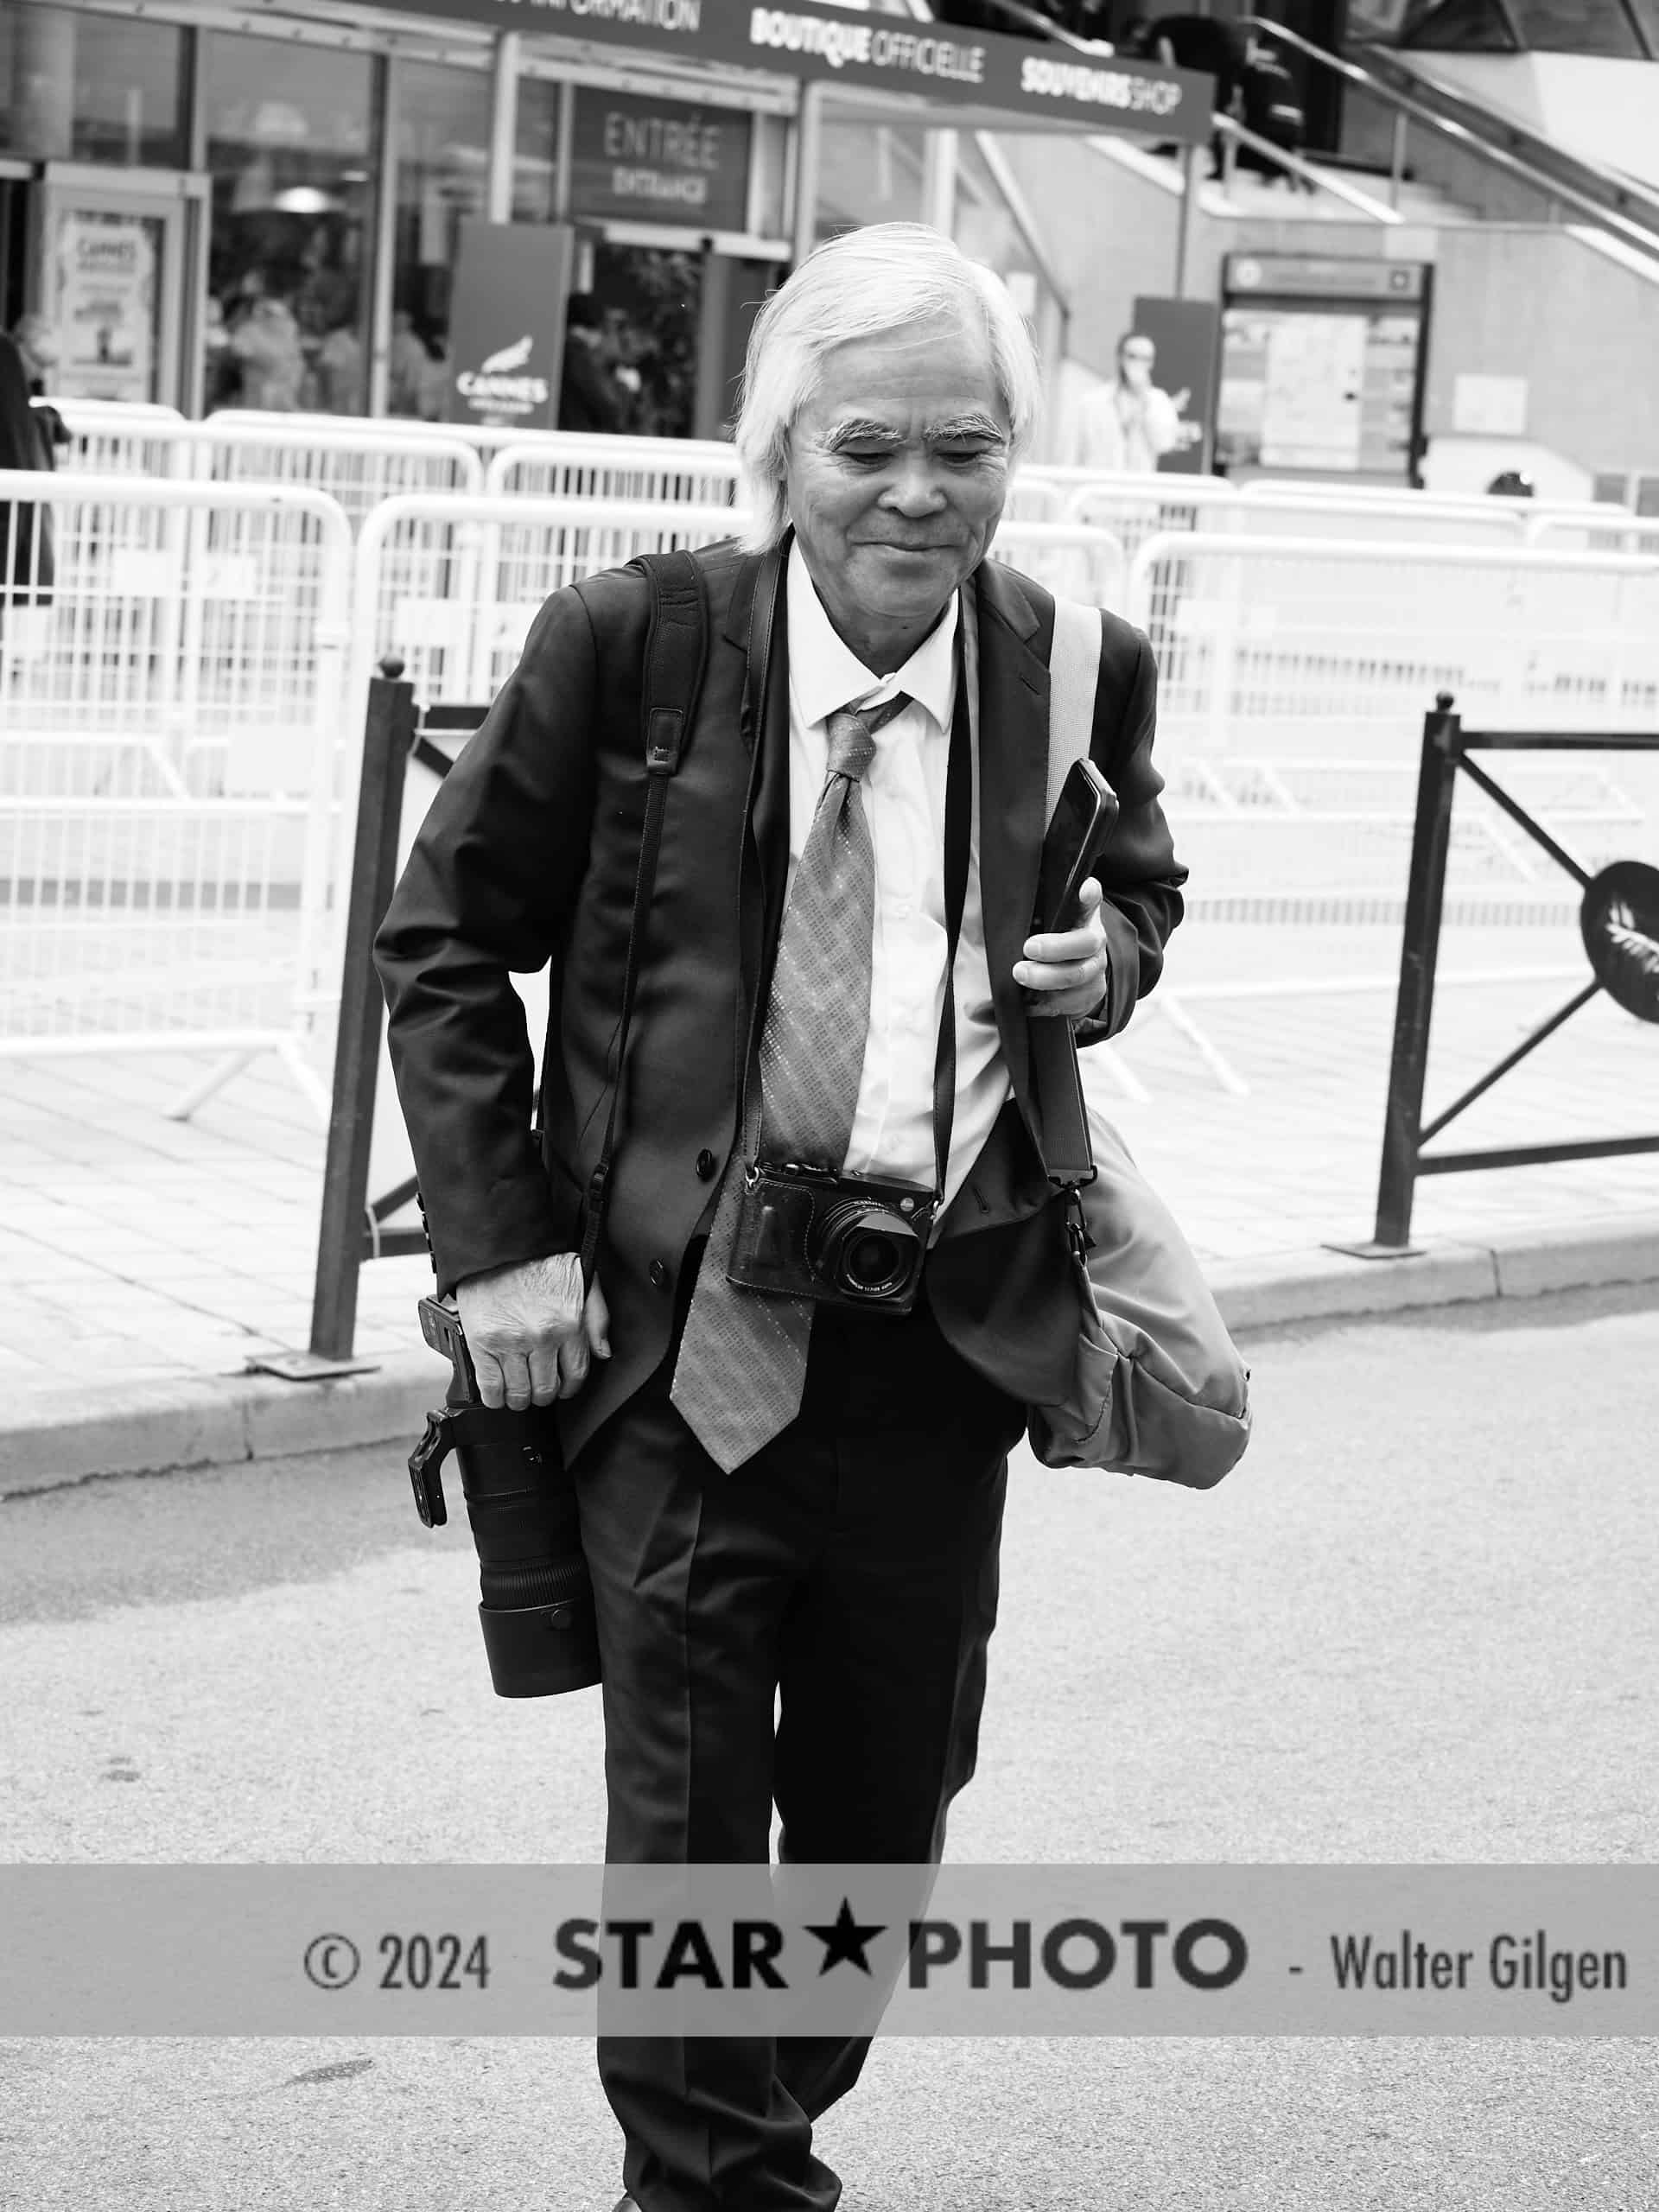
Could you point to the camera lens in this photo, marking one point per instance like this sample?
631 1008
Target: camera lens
871 1262
866 1250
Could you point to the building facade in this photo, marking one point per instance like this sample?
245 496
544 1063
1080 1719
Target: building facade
247 207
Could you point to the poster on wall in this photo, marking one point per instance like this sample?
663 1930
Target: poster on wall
105 270
1184 333
507 323
1322 367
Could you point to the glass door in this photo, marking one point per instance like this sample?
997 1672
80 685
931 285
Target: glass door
119 277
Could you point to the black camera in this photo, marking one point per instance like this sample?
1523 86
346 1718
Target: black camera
537 1602
806 1232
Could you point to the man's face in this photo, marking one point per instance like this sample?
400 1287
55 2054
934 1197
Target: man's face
897 473
1135 360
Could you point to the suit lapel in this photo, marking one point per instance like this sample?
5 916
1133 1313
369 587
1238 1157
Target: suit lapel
1012 751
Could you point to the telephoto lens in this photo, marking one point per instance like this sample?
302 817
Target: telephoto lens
536 1599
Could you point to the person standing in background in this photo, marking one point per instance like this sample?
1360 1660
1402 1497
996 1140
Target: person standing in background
38 352
1128 426
590 397
265 344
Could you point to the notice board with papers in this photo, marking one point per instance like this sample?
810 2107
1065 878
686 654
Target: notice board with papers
1322 364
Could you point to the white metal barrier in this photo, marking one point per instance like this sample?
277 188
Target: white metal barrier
1329 838
698 472
484 437
170 685
1140 507
1606 530
1283 645
357 464
451 586
175 763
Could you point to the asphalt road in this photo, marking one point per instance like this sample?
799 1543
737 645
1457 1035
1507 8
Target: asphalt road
1420 1624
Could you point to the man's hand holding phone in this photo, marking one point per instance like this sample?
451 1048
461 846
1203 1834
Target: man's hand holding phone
1066 966
1067 971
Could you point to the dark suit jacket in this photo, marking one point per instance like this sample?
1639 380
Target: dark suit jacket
529 856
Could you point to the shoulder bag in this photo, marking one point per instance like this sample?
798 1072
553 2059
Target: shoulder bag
1158 1387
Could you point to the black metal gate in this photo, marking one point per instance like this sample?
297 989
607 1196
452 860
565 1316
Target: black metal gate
1619 922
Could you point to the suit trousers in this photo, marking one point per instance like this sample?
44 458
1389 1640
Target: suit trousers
810 1630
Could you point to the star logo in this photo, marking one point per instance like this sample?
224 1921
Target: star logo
843 1938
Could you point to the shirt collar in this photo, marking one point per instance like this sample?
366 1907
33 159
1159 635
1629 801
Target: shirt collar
824 674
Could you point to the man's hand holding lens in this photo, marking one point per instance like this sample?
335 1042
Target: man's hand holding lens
532 1333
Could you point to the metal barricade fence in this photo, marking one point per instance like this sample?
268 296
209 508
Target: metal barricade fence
1609 531
483 437
1292 674
486 565
1294 644
451 586
697 472
1140 507
1329 838
171 673
357 464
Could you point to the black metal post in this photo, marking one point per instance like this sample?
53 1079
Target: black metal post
1431 838
388 733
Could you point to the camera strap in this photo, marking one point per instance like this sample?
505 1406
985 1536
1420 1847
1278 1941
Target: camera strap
959 843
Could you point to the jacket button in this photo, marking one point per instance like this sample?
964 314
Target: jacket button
707 1163
658 1273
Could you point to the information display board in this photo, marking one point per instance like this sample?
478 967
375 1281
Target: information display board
1323 361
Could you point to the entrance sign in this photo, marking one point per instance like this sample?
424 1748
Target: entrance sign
892 54
507 323
633 157
1185 333
104 268
1322 367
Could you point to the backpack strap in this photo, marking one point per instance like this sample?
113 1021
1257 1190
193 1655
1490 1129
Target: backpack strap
677 646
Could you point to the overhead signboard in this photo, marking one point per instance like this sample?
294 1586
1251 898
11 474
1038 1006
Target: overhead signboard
1323 363
658 160
896 53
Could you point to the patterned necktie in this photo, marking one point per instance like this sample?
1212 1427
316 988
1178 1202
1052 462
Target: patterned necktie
742 1358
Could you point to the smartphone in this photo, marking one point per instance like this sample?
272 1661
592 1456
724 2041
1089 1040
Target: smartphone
1083 820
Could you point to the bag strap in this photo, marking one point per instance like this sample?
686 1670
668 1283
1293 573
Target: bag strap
677 648
1073 675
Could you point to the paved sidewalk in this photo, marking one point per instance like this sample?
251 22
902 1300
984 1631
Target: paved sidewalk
144 1262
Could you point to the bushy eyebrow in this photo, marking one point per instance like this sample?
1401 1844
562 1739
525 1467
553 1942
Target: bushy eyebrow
866 431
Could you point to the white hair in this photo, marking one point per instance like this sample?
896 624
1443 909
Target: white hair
888 276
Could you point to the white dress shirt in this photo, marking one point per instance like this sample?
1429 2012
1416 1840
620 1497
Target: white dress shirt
904 794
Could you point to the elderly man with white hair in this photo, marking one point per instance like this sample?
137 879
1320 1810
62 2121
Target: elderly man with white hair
792 1494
